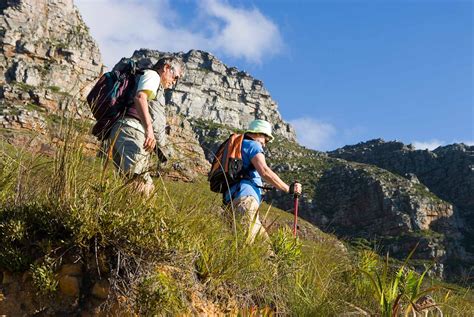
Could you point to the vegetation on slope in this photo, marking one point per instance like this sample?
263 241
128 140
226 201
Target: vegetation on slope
179 250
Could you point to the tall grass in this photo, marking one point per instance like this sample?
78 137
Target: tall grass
160 251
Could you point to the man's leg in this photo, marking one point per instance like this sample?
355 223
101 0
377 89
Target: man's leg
143 184
247 206
130 157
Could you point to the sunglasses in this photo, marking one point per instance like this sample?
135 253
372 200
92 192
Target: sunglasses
176 77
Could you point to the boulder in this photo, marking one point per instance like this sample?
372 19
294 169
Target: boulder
69 285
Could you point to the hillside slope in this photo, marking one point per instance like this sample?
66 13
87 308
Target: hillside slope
75 243
45 74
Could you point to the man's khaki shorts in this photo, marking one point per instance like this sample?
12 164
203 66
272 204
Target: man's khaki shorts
128 153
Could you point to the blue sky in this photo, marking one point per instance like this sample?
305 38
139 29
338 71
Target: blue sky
341 71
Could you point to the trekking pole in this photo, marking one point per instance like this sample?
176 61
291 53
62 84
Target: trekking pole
295 222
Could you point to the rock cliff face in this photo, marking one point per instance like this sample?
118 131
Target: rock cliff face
359 200
48 61
220 94
447 171
187 160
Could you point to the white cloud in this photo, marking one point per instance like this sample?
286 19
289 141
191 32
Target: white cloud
246 33
427 145
314 134
120 27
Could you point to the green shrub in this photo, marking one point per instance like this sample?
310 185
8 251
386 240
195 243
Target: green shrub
27 233
44 277
160 293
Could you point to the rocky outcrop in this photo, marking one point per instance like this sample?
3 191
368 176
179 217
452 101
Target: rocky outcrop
48 61
80 292
447 171
363 201
187 160
218 93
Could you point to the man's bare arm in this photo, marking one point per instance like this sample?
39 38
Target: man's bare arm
141 103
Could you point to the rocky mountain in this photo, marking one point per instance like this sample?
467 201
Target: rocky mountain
49 61
363 201
448 172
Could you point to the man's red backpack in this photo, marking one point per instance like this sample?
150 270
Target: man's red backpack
110 96
227 166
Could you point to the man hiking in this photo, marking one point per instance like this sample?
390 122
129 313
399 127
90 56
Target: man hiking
246 195
134 137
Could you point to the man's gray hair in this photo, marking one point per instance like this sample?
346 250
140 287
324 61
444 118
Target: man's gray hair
172 61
